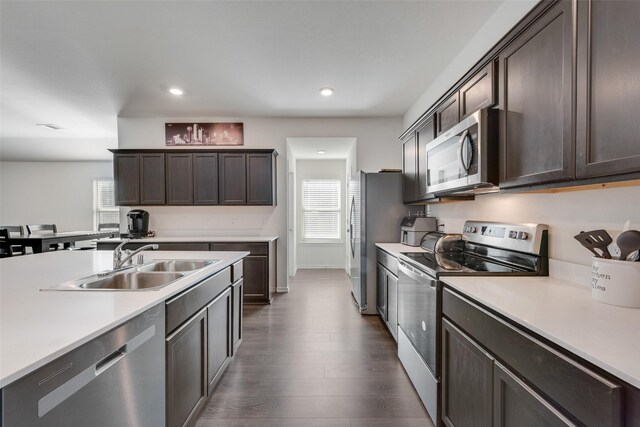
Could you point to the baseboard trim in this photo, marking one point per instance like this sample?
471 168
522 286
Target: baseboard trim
283 289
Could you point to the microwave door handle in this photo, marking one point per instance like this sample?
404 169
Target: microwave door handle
464 141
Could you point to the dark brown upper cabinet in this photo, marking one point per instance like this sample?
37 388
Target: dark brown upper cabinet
536 101
260 178
409 169
139 179
448 114
479 92
126 172
179 179
233 178
152 185
205 179
425 135
608 84
195 177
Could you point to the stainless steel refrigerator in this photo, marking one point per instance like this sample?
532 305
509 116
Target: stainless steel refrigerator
375 213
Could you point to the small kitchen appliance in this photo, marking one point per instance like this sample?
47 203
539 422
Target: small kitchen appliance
137 223
413 229
484 248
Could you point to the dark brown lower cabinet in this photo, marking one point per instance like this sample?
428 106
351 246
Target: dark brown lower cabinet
187 370
381 292
238 296
467 380
392 304
219 334
256 282
516 404
491 366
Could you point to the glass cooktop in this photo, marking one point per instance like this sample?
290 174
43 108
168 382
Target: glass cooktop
459 263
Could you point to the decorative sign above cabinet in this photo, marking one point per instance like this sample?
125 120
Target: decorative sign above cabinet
204 134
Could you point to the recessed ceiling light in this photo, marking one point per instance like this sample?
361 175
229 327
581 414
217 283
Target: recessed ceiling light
49 126
176 91
326 91
321 151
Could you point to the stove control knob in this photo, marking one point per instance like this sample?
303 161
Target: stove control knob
513 234
523 235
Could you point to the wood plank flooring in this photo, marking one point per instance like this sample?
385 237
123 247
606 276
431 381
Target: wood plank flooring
310 359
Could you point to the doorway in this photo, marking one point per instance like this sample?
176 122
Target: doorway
317 205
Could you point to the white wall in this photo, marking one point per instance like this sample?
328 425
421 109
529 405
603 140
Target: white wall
320 255
496 27
50 192
377 148
566 213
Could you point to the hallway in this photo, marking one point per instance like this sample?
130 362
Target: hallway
310 359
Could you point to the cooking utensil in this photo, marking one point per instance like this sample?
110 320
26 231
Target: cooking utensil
596 239
628 242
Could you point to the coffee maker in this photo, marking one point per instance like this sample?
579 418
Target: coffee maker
137 223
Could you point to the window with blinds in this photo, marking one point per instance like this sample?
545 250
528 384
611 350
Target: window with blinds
106 214
321 210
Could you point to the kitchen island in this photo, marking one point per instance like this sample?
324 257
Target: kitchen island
40 327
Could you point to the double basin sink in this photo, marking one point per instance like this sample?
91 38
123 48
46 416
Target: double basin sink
151 275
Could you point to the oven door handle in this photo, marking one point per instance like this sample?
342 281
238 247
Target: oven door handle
416 275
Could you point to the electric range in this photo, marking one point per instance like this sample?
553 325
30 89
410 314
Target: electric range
484 248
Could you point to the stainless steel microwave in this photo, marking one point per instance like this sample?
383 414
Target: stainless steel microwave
464 160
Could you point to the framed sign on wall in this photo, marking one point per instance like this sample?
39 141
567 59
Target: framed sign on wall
177 134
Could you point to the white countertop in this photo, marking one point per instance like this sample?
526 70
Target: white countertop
195 239
564 313
37 326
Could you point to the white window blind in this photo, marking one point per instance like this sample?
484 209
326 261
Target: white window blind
104 209
321 209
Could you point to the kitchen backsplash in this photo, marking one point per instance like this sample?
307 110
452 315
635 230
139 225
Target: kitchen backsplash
567 213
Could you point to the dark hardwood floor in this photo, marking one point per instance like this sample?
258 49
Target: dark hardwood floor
310 359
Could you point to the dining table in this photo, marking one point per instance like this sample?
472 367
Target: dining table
38 241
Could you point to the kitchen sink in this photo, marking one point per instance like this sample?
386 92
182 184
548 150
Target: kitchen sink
133 280
177 265
149 276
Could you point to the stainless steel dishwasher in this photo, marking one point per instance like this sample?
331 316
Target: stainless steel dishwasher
114 380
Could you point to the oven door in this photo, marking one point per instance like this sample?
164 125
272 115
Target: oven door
419 306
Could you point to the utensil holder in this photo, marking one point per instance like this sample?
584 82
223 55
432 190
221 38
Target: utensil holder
616 282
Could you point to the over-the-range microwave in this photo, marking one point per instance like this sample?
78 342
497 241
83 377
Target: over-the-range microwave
464 160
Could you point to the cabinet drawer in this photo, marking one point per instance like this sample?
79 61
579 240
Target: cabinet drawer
254 248
183 247
591 398
388 261
183 306
236 271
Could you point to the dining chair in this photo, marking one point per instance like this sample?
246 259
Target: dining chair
19 230
5 246
44 228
